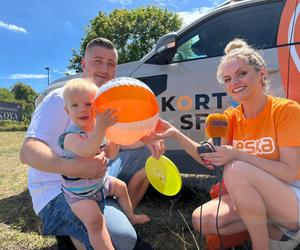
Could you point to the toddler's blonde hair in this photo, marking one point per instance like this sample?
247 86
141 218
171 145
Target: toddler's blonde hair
79 85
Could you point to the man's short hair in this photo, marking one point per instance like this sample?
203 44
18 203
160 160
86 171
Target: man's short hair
102 43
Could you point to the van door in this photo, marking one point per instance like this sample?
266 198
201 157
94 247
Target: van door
191 89
289 49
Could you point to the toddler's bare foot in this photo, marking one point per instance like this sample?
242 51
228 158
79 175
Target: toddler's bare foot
139 219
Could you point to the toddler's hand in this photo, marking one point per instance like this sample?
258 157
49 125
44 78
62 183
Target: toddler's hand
106 118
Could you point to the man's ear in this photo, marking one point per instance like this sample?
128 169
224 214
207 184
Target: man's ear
83 64
67 110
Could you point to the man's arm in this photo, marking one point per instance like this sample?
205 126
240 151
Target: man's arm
39 155
136 145
111 150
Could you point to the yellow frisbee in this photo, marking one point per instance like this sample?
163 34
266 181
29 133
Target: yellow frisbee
163 175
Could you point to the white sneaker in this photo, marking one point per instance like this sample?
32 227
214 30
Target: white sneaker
283 245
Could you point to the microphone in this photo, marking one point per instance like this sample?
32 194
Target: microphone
216 126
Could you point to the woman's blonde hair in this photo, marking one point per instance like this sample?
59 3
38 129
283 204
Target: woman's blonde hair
79 85
239 48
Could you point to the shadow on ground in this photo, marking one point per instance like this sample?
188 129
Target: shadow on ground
170 226
16 211
170 216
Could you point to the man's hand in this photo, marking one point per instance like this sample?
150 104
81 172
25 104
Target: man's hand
39 155
85 167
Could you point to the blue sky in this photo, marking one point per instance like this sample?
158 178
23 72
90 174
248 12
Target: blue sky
35 34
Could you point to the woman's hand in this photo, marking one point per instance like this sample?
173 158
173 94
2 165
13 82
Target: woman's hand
156 146
163 130
222 155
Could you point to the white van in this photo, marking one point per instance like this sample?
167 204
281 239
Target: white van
181 69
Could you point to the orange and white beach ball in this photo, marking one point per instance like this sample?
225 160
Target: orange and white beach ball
136 105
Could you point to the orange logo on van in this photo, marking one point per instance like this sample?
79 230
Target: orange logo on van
289 56
264 145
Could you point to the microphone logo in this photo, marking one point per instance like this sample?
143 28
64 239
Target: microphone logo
219 123
216 126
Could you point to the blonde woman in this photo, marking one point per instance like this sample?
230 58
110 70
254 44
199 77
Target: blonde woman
262 159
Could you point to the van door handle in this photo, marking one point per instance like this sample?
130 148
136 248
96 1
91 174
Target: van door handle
273 70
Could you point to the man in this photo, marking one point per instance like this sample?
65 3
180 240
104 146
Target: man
40 151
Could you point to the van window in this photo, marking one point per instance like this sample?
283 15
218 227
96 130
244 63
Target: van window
257 24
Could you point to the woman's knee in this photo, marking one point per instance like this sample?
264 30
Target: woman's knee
204 222
196 220
236 172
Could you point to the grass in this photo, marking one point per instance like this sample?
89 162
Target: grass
170 225
169 228
19 227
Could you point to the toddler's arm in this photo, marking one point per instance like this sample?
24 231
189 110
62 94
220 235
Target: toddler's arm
87 146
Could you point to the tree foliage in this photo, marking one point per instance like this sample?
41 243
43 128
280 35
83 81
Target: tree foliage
6 95
23 94
134 32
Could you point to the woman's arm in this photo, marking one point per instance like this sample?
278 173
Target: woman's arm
165 130
285 169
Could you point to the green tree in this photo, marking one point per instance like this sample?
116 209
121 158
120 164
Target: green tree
23 92
134 32
25 95
6 95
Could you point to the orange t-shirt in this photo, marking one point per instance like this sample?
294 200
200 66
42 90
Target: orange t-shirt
277 125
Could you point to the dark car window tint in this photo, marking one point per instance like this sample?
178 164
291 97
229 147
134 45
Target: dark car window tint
256 24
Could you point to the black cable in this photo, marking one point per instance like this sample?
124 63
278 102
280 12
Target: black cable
218 208
200 235
206 147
